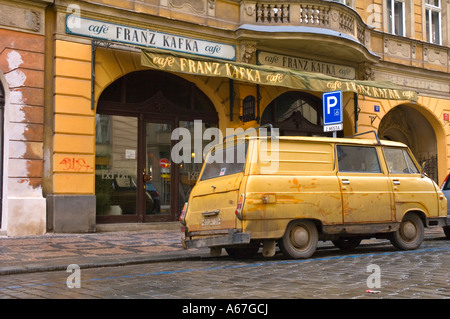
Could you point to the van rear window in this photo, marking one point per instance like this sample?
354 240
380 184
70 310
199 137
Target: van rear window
225 161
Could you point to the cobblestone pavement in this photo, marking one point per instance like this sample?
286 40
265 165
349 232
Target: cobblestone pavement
56 251
422 273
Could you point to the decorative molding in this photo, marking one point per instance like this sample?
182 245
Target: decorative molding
365 72
249 9
435 56
196 6
396 48
20 18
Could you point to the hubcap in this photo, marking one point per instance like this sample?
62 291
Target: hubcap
409 230
300 237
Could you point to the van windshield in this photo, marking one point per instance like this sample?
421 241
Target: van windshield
225 161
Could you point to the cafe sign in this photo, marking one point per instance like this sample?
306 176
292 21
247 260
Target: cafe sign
77 25
271 76
295 63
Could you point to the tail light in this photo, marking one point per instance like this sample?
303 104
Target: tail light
240 207
182 218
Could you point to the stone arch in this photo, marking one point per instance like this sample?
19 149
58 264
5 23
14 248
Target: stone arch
112 64
415 127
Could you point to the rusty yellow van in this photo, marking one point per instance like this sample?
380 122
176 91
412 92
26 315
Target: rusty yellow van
311 188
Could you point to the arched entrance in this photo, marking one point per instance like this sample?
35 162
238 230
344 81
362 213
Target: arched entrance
135 178
407 125
296 114
2 107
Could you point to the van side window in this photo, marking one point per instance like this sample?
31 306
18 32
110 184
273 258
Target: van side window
399 161
358 159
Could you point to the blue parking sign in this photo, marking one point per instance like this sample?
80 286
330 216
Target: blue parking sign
332 108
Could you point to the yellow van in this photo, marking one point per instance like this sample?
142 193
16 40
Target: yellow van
310 189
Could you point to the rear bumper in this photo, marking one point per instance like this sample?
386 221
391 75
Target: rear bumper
212 239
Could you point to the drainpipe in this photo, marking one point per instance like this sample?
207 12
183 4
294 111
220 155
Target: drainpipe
355 99
93 49
231 99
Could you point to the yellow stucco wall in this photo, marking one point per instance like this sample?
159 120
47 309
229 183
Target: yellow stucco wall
74 121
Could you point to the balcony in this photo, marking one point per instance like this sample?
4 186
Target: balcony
290 22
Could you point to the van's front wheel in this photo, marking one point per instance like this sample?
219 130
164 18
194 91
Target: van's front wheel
410 234
299 240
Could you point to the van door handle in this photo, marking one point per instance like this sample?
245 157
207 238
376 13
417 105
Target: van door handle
396 182
211 213
345 182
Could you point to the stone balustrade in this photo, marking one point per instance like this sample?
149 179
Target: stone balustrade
316 14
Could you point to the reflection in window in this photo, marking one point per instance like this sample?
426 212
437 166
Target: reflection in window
102 129
295 113
433 21
358 159
399 161
218 162
396 13
285 106
115 165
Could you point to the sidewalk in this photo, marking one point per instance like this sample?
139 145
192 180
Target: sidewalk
57 251
101 249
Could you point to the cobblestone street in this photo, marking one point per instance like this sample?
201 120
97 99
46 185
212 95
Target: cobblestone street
422 273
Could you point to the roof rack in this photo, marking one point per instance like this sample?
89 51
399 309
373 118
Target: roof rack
272 135
368 132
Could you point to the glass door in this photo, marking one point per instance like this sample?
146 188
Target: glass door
157 174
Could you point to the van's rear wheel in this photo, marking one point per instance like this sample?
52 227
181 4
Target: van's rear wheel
299 240
410 234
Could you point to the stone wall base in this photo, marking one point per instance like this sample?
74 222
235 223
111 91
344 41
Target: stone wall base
71 213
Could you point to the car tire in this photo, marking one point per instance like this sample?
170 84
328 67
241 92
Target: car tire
410 234
300 239
349 243
446 231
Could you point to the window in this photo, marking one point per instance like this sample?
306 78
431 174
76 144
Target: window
396 14
399 161
358 159
295 114
433 21
218 162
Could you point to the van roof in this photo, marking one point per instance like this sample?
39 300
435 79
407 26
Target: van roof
355 141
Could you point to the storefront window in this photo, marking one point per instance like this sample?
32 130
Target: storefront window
116 165
136 176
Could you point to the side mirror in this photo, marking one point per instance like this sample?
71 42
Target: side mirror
422 171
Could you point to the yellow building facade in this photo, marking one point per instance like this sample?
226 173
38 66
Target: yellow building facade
119 78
